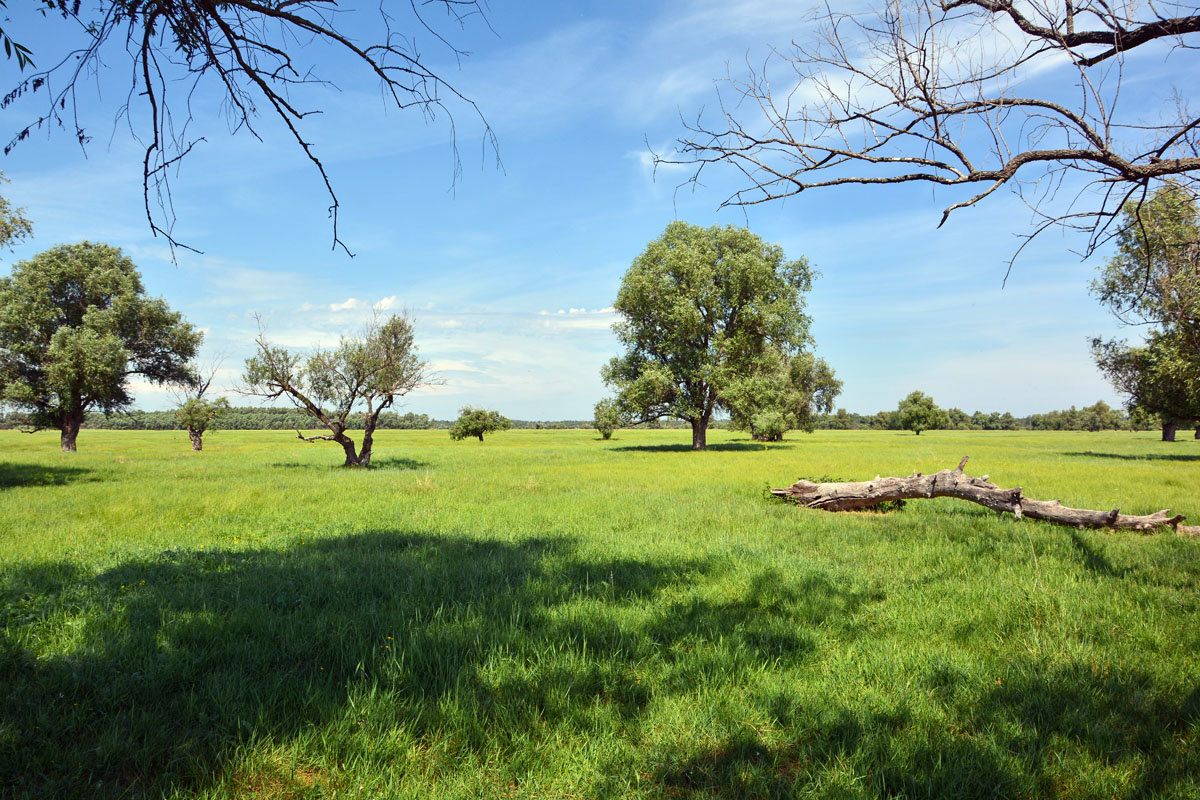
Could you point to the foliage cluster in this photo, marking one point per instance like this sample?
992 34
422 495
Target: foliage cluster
475 422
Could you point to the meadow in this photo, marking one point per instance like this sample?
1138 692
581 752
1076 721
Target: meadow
550 615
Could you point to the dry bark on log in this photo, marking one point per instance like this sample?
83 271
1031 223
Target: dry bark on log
953 483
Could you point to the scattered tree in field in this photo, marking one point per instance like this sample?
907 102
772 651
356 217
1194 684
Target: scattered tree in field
75 325
198 414
937 92
607 417
784 397
917 413
364 374
14 225
703 308
476 422
260 56
1154 279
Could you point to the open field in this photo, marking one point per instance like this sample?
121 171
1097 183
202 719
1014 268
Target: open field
549 615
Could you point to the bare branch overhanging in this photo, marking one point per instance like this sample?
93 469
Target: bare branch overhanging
939 93
248 48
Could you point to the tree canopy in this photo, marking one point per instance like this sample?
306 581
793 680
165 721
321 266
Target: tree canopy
475 422
940 92
702 309
258 56
784 396
918 412
366 374
75 325
1153 279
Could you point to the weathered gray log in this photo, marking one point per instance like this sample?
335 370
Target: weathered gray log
854 495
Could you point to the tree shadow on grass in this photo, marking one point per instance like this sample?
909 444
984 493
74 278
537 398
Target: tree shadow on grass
13 475
1136 457
1032 736
735 447
391 462
157 676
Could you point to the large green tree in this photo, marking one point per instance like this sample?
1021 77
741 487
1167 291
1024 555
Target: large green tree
784 396
702 309
75 325
1153 278
363 375
918 412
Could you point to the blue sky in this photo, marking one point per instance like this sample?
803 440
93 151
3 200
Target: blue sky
510 272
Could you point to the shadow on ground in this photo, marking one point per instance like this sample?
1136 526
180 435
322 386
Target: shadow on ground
719 447
158 676
1137 457
16 475
391 462
1006 740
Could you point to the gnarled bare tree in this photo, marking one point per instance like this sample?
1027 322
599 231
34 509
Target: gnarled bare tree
939 92
250 50
364 374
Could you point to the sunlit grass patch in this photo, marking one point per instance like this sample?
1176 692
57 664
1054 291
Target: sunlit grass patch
549 615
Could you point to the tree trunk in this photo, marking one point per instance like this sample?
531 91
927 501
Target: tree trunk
1197 432
699 434
71 421
1169 427
352 457
480 435
197 438
953 483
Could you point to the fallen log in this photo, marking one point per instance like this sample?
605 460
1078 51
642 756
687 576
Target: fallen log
853 495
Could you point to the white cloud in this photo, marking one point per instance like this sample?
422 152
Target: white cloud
386 303
346 305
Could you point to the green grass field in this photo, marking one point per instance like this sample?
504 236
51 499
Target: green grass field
549 615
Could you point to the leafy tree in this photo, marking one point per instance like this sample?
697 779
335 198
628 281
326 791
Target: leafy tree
1154 279
260 57
703 308
917 413
198 414
476 422
607 417
366 373
782 397
14 225
1157 378
1099 417
75 325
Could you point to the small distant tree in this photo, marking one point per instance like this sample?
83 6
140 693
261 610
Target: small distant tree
75 326
607 417
365 374
476 422
917 413
198 414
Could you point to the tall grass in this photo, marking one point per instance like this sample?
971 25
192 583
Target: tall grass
549 615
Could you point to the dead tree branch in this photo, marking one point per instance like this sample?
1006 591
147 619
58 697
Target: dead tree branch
930 92
856 495
250 51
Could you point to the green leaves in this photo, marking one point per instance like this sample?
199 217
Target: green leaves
475 422
704 310
75 323
917 413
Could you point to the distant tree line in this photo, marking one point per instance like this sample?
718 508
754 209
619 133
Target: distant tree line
1097 417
